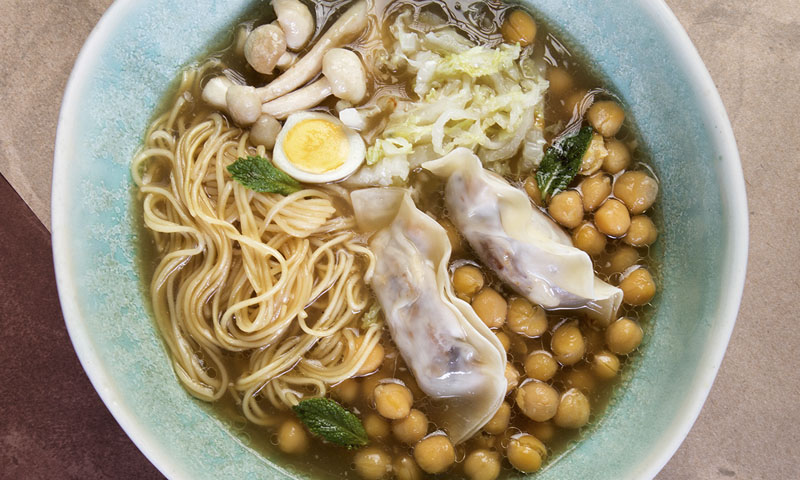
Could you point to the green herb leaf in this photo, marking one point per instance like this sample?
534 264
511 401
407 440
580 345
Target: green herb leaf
260 175
562 161
329 420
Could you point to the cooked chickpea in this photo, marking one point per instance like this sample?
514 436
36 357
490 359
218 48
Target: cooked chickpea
540 365
612 218
435 454
566 208
411 429
561 82
368 385
452 235
589 239
512 377
637 190
376 427
595 190
467 281
518 27
499 421
623 258
537 400
605 365
346 391
482 465
405 468
374 359
573 410
491 307
372 463
642 232
519 348
618 158
624 336
567 344
606 117
532 189
525 318
505 340
544 431
526 453
393 400
292 437
580 378
573 101
594 156
638 287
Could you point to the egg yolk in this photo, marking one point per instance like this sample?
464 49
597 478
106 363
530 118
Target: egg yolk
316 146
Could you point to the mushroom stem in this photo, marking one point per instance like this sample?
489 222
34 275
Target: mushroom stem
345 30
301 99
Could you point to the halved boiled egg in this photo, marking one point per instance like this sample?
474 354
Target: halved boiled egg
316 147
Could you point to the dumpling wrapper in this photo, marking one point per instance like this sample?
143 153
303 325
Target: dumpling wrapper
524 247
454 357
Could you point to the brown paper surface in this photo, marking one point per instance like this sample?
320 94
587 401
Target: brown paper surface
750 425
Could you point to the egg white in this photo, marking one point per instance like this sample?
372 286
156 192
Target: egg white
355 156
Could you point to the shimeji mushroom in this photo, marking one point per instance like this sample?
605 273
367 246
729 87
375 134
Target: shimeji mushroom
264 47
265 131
301 99
344 70
296 21
243 104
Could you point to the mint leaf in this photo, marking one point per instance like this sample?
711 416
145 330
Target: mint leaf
329 420
562 161
260 175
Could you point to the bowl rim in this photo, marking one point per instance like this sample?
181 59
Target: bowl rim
733 196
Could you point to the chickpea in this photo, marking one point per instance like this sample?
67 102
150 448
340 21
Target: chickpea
482 465
292 437
540 365
491 307
637 190
606 117
595 190
532 189
642 232
376 427
589 239
619 156
594 156
411 429
435 454
537 400
372 463
393 400
499 421
605 365
624 336
561 82
573 102
374 359
623 258
526 452
368 386
566 208
612 218
452 235
637 287
518 27
505 340
526 319
580 378
519 348
544 431
573 410
567 344
405 468
467 281
512 377
346 391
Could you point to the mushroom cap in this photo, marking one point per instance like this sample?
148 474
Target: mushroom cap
244 104
265 131
296 21
215 91
345 71
264 47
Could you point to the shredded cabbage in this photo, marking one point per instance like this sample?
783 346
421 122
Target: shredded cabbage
486 99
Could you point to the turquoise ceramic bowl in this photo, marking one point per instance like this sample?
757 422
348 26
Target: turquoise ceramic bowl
136 51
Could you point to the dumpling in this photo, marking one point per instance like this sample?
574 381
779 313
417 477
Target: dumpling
526 249
454 357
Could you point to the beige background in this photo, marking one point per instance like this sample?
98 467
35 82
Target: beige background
750 425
